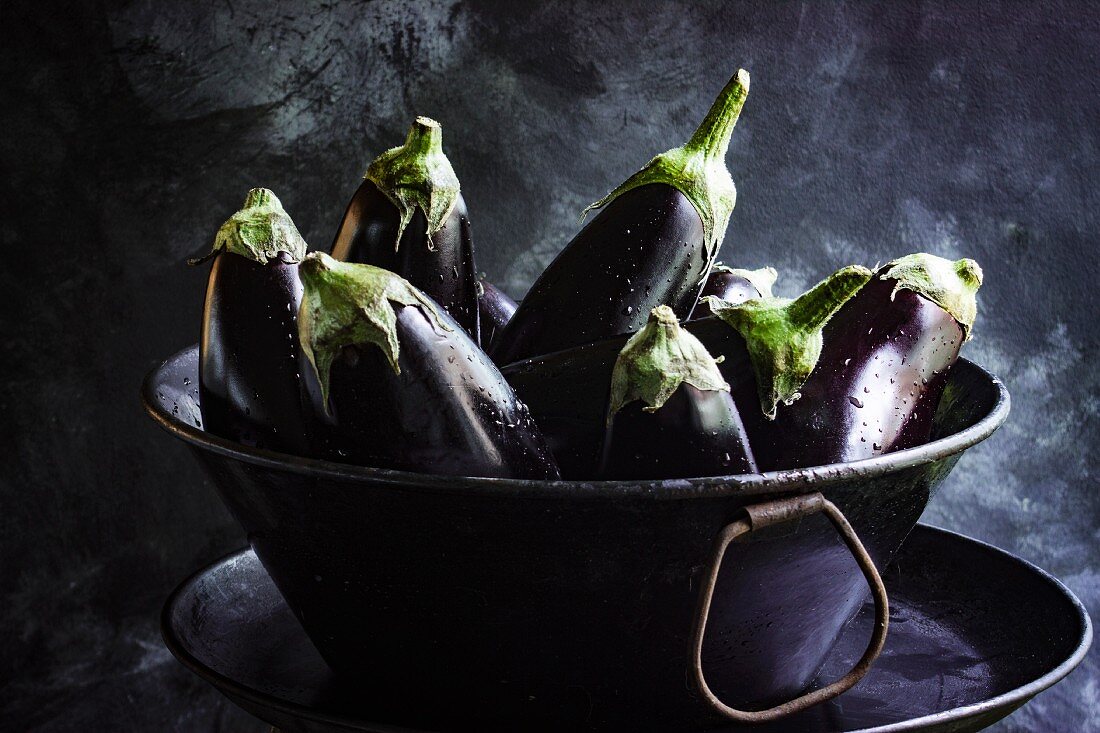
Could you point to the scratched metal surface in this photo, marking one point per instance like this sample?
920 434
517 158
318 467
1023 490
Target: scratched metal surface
131 130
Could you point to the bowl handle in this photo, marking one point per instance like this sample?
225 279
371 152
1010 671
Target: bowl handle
763 515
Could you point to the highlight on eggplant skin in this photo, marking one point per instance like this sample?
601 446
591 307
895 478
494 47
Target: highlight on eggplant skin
408 216
393 381
734 285
885 361
248 350
495 309
671 414
652 243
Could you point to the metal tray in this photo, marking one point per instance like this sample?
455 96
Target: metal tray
975 633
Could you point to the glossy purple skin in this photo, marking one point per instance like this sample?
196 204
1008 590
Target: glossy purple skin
496 308
449 411
446 271
695 433
728 286
642 250
568 391
875 388
248 363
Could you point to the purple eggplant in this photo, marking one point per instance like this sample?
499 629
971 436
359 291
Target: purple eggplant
652 244
248 352
882 370
495 308
393 381
408 216
734 286
671 414
568 391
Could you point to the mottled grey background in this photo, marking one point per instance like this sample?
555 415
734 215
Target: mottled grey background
128 132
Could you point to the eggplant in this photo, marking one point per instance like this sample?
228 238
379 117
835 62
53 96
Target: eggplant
248 351
671 414
393 381
734 286
495 309
882 370
652 244
408 216
568 393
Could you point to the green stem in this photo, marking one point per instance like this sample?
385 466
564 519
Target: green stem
784 337
713 135
259 231
348 304
952 286
417 175
425 138
811 310
697 169
969 272
657 360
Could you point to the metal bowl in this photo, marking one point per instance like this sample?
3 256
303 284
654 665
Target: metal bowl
585 604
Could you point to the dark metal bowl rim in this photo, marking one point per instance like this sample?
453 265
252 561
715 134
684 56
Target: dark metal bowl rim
771 482
1009 699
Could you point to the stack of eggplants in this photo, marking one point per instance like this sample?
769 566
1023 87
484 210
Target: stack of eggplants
881 370
634 356
349 362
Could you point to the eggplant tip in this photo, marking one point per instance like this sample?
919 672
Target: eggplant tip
664 315
315 262
260 230
969 270
258 197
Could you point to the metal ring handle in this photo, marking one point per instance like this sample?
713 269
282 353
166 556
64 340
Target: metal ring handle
764 515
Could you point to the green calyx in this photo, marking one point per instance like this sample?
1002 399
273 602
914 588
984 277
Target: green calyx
417 175
952 286
657 360
259 231
348 304
761 279
783 336
698 168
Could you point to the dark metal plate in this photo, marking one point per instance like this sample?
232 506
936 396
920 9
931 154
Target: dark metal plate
975 633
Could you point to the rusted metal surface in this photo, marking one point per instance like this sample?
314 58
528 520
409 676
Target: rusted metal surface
767 514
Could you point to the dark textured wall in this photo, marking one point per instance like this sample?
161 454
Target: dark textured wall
129 132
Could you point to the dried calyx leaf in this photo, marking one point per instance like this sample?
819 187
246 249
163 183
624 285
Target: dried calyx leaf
259 231
417 175
783 336
348 304
952 286
657 360
762 279
698 168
